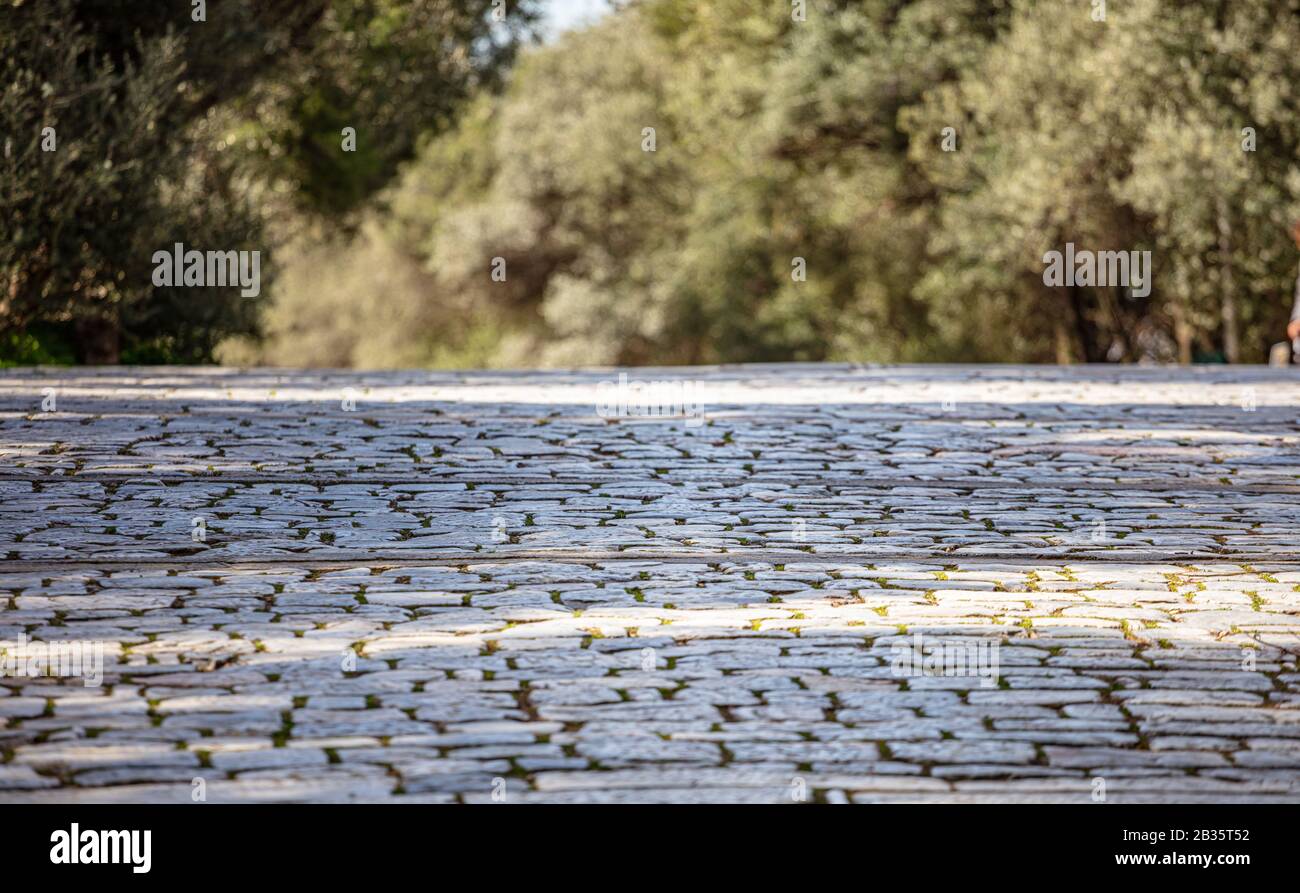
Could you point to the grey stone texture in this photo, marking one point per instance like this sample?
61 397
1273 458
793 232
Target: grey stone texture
479 587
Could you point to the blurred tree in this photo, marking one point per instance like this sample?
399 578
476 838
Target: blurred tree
170 126
878 180
1135 144
1217 165
777 145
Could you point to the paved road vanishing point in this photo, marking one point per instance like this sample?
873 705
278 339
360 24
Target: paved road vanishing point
837 584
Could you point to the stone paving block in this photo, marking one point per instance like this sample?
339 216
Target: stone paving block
475 583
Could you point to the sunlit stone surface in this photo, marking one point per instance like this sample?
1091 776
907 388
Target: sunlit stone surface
478 586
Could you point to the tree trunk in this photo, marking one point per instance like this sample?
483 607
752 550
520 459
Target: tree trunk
1182 328
1183 335
1228 299
98 341
1061 340
1062 337
1075 303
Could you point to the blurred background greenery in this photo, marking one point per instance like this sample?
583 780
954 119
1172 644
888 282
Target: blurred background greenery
775 138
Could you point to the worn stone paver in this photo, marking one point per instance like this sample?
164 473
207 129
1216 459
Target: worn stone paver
464 587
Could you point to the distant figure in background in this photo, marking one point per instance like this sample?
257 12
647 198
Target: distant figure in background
1293 330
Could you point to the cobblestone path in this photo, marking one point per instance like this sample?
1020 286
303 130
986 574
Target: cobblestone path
445 587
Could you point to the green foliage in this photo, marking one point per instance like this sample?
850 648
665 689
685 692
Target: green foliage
337 307
34 349
779 146
173 130
1136 143
393 70
773 141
